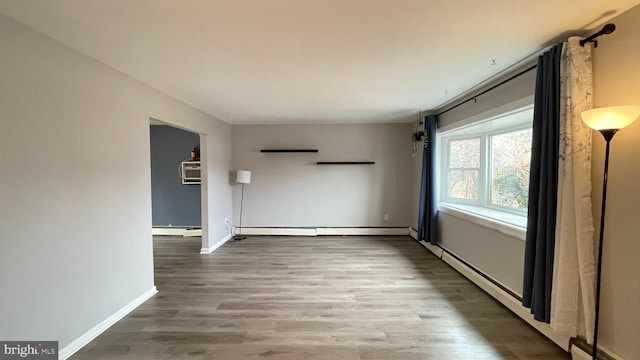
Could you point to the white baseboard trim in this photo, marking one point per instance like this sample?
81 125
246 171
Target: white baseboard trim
324 231
209 250
413 233
436 250
507 300
94 332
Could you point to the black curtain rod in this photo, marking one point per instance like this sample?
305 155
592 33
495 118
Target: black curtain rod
489 89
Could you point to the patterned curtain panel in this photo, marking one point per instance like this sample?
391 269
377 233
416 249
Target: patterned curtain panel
573 293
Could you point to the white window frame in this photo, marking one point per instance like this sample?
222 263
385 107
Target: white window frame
482 208
445 174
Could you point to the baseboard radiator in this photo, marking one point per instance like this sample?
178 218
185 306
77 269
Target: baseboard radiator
579 354
321 231
581 350
177 231
492 288
513 303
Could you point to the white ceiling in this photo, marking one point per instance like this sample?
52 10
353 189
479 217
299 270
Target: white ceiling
311 61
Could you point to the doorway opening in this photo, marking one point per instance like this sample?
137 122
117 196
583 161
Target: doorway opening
176 180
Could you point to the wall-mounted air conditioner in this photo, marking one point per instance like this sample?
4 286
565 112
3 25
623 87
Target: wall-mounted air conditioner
190 172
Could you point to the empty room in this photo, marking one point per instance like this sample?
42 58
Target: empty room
217 179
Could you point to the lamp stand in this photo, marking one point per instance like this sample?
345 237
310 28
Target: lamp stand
608 135
240 236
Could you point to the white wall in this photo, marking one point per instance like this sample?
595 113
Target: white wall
290 190
617 82
75 200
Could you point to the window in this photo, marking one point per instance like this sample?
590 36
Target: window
510 163
485 167
464 167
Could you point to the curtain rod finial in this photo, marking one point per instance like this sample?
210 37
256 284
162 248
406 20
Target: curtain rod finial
606 30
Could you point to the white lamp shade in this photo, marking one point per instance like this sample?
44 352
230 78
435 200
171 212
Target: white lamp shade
243 177
609 118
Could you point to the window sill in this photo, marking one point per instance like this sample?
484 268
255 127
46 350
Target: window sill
506 223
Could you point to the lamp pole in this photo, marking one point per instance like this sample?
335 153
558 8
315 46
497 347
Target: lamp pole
242 177
608 135
240 236
607 121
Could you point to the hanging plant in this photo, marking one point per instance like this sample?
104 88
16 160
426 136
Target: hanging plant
416 138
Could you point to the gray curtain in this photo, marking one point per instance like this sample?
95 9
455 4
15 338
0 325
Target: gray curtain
427 217
543 188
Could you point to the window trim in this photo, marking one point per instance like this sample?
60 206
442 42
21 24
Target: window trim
484 171
512 107
447 173
515 229
489 179
472 207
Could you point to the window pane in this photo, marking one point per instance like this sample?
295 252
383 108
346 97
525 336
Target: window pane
464 184
464 153
510 159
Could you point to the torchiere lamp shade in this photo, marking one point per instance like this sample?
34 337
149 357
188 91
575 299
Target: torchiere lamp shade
243 177
611 118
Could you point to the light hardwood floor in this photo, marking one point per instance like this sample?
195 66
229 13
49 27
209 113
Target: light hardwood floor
293 298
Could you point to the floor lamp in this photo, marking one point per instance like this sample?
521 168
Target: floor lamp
242 177
608 121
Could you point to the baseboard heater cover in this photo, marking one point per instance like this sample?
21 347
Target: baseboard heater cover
497 292
176 231
581 350
322 231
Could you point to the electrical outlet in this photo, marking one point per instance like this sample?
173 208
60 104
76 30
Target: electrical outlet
386 217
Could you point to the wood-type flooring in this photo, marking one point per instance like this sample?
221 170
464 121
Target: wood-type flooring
295 298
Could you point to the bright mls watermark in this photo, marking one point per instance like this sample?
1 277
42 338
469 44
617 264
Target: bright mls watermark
31 350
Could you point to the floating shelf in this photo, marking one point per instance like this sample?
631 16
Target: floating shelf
289 150
346 162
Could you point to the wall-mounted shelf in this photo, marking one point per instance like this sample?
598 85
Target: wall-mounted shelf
289 150
346 162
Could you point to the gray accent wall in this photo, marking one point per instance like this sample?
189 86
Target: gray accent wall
75 194
290 190
174 203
